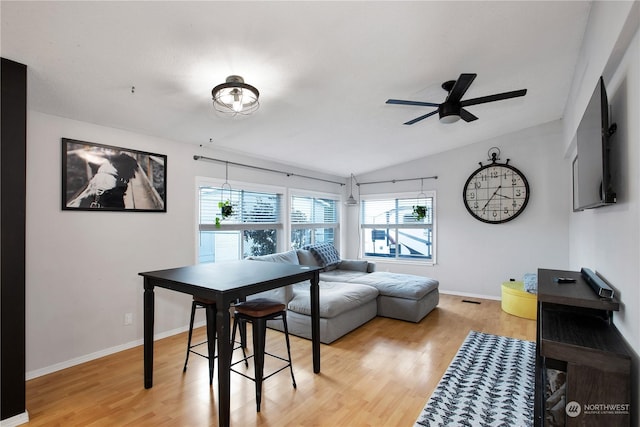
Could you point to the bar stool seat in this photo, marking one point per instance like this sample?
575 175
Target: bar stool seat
258 312
210 309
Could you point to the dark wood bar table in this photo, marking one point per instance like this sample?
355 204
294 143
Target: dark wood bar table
226 283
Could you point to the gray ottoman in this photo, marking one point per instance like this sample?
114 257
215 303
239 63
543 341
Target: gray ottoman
403 296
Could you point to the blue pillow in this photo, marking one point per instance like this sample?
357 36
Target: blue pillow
325 254
531 283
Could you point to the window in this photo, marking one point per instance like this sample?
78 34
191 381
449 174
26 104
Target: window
313 220
254 226
391 230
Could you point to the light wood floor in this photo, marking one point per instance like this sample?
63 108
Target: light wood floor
379 375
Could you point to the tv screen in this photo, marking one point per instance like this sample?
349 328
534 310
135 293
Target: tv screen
593 169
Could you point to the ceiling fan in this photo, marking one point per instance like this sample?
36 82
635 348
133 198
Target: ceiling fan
451 110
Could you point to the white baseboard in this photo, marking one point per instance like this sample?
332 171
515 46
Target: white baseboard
98 354
16 420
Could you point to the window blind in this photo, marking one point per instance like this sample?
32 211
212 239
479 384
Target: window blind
248 206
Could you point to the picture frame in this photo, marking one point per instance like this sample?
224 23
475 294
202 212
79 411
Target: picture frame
98 177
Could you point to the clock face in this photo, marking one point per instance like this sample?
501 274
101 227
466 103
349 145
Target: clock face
496 193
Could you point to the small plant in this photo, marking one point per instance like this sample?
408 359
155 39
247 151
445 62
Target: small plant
419 212
226 210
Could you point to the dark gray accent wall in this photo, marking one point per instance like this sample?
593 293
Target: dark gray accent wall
13 154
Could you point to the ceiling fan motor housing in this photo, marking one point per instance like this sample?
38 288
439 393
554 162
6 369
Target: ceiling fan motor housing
449 112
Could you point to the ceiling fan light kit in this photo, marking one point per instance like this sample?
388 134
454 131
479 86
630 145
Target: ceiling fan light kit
235 97
449 113
451 110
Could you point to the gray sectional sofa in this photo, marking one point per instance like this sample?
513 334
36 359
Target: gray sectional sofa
351 293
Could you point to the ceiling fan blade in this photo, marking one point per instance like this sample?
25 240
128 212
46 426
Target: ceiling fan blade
467 116
417 119
496 97
419 103
460 87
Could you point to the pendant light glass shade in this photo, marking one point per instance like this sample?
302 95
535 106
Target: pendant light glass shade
235 97
351 201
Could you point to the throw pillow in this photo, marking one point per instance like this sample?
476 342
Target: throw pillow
325 254
531 283
306 257
283 257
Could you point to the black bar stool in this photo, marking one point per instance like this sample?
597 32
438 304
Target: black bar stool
210 309
258 311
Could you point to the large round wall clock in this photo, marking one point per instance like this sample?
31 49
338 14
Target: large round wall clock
496 192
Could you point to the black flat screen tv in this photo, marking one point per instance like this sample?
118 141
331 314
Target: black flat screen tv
593 181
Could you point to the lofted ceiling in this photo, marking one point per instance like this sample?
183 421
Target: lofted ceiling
324 71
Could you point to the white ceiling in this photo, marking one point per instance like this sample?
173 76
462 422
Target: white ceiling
324 71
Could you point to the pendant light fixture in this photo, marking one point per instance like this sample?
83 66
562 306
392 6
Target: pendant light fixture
351 201
235 97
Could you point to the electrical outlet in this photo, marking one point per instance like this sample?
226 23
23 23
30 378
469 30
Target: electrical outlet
128 319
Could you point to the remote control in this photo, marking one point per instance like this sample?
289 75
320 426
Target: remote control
565 280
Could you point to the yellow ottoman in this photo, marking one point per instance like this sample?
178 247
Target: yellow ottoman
517 301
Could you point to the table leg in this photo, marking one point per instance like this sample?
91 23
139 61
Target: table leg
225 347
315 321
148 313
211 338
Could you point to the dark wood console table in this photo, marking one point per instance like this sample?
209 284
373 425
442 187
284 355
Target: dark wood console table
226 283
577 338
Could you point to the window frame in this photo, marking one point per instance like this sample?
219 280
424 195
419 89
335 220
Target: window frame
363 228
291 226
279 226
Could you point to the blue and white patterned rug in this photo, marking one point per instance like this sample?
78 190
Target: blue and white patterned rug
490 382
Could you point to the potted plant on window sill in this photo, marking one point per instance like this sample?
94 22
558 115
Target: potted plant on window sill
419 212
226 210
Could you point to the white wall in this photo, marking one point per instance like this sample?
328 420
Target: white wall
607 239
82 267
474 258
602 47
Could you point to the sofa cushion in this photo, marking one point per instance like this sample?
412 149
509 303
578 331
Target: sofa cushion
354 265
340 275
289 257
335 298
399 285
326 255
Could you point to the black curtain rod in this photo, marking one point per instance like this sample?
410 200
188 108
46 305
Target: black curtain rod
196 157
397 180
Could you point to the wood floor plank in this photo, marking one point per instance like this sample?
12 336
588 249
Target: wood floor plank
379 375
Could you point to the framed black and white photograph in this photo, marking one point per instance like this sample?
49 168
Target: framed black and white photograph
107 178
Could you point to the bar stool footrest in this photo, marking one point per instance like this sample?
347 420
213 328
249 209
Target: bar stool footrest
245 360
